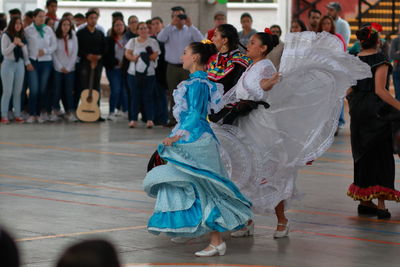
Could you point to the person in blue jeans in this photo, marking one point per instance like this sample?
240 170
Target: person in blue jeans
142 52
64 65
115 48
15 53
41 46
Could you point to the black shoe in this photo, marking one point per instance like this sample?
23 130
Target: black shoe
366 210
337 131
383 214
101 119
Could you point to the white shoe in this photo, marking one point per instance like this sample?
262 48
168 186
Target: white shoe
245 231
181 240
220 250
31 119
112 117
43 117
284 233
72 118
54 117
11 116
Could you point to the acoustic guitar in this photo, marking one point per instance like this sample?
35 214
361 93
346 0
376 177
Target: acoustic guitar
88 109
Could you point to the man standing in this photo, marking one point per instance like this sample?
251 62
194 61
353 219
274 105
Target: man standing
314 16
91 43
342 27
395 56
51 6
176 36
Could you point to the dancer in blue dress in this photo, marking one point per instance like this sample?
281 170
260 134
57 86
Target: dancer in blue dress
194 195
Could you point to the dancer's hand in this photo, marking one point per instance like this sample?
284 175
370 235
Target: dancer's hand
267 84
170 140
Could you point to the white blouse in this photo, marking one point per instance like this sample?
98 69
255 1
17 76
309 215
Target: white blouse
60 57
35 42
7 49
138 48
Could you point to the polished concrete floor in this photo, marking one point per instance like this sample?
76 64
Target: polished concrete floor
61 183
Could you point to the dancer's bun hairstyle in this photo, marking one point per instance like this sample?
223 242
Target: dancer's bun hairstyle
204 49
368 38
270 40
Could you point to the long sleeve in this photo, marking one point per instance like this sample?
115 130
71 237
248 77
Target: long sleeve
395 49
196 34
7 46
74 53
26 55
346 32
53 43
56 61
82 52
163 35
190 125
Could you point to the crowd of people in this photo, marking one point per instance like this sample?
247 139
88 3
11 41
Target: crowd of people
171 76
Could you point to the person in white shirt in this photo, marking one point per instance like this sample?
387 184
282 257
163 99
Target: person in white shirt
41 45
64 65
142 52
14 50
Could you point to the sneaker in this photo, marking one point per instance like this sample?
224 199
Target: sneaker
112 117
54 117
4 120
43 117
72 118
24 115
31 119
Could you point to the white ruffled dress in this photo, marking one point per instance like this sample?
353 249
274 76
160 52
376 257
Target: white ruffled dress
264 150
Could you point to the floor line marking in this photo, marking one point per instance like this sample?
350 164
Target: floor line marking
73 193
69 183
81 233
336 236
76 150
77 202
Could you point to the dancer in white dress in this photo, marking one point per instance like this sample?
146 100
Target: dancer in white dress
265 150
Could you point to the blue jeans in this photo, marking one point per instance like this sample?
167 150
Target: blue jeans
396 83
12 77
161 105
38 79
63 84
118 94
143 94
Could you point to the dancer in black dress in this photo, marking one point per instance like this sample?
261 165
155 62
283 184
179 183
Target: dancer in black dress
371 135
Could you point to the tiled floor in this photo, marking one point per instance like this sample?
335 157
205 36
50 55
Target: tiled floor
62 183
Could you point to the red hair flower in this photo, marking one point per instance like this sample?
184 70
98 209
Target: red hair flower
376 27
267 30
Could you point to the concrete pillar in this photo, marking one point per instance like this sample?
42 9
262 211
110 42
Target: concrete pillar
284 15
200 11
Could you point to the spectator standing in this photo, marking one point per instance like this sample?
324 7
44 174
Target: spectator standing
28 19
395 56
98 27
161 102
15 12
142 52
41 45
115 48
132 27
91 43
149 26
79 19
15 52
314 16
342 26
276 54
219 19
51 6
176 36
298 25
327 25
247 31
64 65
114 16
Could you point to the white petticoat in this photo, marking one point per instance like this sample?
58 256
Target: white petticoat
264 150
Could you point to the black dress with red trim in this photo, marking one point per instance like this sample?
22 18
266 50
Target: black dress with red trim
371 140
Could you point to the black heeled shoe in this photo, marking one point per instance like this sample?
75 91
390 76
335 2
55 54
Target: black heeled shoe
366 210
383 214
